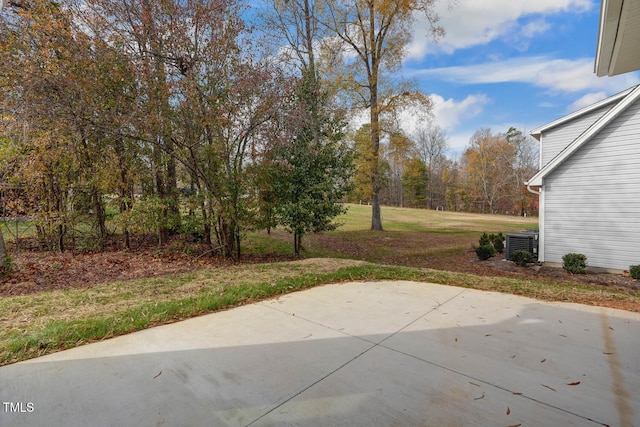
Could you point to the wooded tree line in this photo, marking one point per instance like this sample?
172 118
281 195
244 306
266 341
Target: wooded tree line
416 171
209 117
169 114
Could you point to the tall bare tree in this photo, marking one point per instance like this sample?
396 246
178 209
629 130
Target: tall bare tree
525 166
432 144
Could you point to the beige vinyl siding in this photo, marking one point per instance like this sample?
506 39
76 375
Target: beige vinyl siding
557 139
592 200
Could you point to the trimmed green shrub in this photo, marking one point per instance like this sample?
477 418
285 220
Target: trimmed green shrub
498 242
575 263
484 252
634 271
522 257
484 240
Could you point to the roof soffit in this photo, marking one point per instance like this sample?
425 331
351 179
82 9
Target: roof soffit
618 38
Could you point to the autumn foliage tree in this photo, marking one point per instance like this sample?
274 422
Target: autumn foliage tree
524 167
487 169
176 98
399 152
376 32
415 180
65 103
163 117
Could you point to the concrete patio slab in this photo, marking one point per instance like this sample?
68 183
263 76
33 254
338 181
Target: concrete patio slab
357 354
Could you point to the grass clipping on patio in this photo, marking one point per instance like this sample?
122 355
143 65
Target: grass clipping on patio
38 324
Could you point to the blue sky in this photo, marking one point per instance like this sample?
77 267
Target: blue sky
510 63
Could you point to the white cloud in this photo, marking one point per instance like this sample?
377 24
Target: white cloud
565 75
553 75
472 23
458 143
520 40
449 113
534 28
510 70
586 100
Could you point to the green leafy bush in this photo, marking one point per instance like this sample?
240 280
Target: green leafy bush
522 257
575 263
634 271
484 252
484 240
498 242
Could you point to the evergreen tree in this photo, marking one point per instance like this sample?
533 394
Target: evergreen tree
313 169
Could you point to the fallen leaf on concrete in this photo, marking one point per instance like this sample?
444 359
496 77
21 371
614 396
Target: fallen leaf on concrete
543 360
574 383
508 411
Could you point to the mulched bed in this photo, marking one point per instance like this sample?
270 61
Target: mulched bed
37 271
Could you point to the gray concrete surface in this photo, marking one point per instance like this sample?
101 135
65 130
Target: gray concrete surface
358 354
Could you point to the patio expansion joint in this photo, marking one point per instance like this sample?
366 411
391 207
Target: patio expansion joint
471 377
348 362
493 385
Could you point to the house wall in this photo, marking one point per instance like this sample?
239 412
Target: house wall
555 140
592 200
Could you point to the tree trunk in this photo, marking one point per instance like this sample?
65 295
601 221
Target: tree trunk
206 225
376 217
164 169
101 216
124 207
5 262
172 188
297 243
163 230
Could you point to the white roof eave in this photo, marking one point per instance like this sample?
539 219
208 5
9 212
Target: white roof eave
631 95
618 38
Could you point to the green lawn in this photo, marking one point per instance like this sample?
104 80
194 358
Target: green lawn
358 217
37 324
409 233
